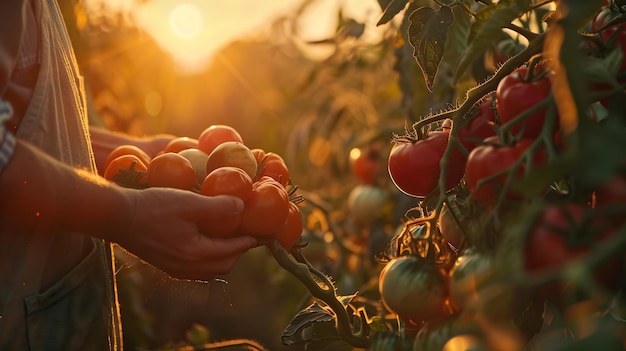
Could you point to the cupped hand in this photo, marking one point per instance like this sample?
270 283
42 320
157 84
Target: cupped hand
163 231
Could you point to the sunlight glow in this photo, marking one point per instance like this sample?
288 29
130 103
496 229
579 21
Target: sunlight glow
196 29
186 20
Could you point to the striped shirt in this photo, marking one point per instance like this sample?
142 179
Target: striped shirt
7 140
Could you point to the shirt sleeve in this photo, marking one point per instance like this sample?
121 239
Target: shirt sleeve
7 140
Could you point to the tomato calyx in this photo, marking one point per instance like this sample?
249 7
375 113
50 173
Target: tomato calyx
131 177
420 238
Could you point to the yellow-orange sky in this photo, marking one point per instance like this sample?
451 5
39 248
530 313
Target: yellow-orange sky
193 30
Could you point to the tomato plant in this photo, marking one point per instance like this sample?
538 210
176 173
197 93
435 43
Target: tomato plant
234 154
266 210
413 288
227 181
414 167
518 92
171 170
216 134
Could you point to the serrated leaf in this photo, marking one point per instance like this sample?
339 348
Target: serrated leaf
391 10
295 333
488 24
427 35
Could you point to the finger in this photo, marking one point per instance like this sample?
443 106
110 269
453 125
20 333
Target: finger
222 248
216 207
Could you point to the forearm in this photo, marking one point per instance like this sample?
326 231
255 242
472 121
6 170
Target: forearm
41 192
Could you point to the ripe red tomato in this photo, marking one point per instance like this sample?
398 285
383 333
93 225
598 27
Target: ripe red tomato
487 170
273 166
615 35
413 289
233 154
227 181
171 170
612 192
415 167
516 94
547 247
127 149
365 164
181 143
126 170
266 210
481 125
291 231
216 134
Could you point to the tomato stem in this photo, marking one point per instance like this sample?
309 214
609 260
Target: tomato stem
308 275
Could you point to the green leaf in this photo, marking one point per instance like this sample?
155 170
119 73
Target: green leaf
306 325
391 10
427 34
488 25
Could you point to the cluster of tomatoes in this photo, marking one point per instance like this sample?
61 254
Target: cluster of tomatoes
510 133
218 163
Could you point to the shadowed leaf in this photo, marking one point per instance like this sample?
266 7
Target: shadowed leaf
427 34
391 10
488 25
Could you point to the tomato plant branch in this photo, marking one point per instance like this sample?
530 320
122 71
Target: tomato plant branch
311 278
476 93
522 31
540 4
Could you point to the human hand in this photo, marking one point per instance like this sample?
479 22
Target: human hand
163 231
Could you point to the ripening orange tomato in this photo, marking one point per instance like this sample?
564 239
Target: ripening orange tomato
272 165
227 181
291 231
215 135
127 149
181 143
126 170
171 170
266 210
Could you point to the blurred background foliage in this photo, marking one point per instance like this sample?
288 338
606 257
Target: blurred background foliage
310 109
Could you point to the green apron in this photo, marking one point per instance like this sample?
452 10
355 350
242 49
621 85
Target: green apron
57 290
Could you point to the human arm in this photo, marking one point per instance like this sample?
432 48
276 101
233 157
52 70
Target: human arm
159 225
103 141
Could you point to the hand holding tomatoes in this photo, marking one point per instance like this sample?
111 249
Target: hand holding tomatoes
162 228
219 163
